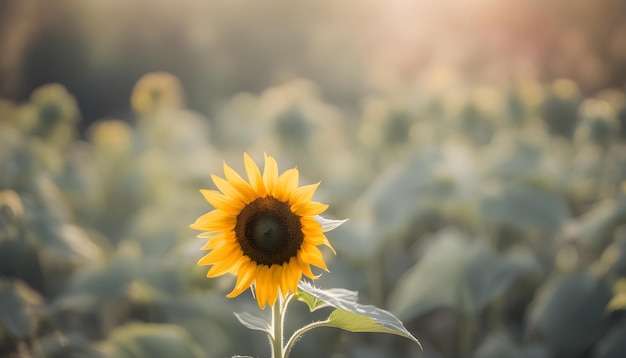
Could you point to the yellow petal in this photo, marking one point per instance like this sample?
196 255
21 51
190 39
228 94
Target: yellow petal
223 267
247 272
310 226
219 240
310 221
226 188
270 174
315 239
291 276
215 220
220 254
310 208
246 191
261 285
274 284
254 176
327 243
284 279
222 202
303 194
205 235
287 183
312 255
319 239
214 242
305 267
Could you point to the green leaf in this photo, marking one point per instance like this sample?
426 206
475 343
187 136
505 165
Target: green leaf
314 302
254 322
355 322
350 315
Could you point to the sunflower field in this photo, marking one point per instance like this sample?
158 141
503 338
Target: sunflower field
486 211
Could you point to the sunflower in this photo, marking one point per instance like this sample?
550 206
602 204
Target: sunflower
264 231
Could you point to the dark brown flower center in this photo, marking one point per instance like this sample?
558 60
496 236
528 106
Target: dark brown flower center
268 232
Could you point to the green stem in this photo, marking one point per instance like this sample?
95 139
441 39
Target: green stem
279 310
288 299
300 332
277 327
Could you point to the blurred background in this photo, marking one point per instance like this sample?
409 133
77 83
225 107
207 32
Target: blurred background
478 148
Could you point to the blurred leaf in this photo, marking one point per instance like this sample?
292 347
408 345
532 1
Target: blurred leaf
292 127
20 259
401 195
115 278
599 124
352 316
500 345
110 292
488 276
613 345
77 242
517 159
47 222
60 346
569 313
435 281
254 322
207 317
615 258
560 109
138 340
357 242
594 230
460 274
11 213
17 309
525 208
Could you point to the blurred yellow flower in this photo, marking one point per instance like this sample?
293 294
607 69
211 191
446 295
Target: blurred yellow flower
55 104
111 133
565 89
618 302
155 92
264 231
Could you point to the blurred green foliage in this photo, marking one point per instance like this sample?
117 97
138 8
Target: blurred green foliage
491 221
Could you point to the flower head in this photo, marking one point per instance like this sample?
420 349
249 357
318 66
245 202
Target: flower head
263 230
